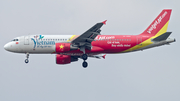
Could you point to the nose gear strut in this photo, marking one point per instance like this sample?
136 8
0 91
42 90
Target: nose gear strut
27 56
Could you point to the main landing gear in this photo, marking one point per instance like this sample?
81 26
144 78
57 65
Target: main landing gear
27 56
84 57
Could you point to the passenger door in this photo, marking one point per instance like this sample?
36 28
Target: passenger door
26 40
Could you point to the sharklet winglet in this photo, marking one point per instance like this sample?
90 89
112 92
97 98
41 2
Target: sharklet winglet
104 22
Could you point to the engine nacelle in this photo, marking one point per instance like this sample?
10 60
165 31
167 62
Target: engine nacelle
62 47
65 59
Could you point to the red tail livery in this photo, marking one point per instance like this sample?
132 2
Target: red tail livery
70 48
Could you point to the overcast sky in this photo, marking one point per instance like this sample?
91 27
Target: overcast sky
149 75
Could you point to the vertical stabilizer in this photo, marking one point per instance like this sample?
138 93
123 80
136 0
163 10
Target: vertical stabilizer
159 25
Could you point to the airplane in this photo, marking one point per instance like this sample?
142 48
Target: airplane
70 48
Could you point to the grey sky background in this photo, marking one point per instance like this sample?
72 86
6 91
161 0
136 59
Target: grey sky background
149 75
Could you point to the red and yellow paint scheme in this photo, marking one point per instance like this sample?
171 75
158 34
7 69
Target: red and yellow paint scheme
70 48
126 43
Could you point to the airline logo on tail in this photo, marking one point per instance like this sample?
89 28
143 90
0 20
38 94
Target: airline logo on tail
159 25
158 21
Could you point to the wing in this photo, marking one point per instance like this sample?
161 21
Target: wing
87 37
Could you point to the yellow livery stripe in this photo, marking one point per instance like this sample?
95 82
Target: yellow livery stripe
148 41
70 39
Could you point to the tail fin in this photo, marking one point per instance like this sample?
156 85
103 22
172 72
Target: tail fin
159 25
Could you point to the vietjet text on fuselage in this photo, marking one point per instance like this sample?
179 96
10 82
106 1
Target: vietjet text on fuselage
69 48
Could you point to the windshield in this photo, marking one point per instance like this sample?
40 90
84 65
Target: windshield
15 40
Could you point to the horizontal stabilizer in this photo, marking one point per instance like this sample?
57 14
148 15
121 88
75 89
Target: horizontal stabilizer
162 37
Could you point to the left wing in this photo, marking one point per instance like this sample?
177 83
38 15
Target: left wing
87 37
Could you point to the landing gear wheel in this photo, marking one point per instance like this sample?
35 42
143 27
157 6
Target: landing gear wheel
84 64
26 60
27 56
84 56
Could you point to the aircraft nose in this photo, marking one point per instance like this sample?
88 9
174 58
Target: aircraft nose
6 47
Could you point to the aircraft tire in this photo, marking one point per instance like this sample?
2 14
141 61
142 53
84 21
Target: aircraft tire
26 60
84 64
84 56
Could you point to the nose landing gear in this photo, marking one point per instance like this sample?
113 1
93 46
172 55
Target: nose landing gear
27 56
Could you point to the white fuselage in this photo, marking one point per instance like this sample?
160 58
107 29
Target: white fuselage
45 44
33 44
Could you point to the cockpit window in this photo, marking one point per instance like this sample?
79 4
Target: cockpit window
15 40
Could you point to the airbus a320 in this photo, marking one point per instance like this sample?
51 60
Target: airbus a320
70 48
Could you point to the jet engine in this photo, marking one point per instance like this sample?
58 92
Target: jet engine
65 59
